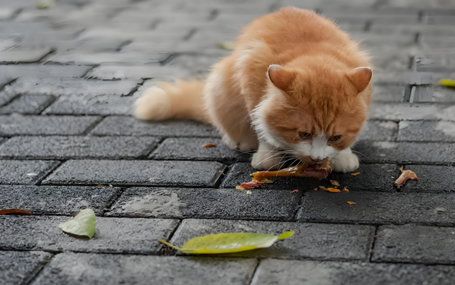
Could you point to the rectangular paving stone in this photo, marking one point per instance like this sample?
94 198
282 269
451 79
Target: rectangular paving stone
426 131
137 172
128 126
192 149
27 104
42 71
18 267
92 105
142 270
57 200
378 208
94 58
24 171
241 172
109 72
112 235
379 131
405 152
432 178
206 203
16 124
53 147
20 55
321 241
414 112
415 243
71 87
388 93
306 272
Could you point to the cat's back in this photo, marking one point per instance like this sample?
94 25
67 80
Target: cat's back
294 26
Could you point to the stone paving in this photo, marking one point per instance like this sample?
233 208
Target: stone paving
69 75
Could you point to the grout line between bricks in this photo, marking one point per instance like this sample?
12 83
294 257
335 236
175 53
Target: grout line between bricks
113 200
37 270
373 242
164 250
254 271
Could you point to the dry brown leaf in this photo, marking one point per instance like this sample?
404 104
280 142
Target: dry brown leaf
15 212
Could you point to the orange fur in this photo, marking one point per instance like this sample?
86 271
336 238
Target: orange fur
313 85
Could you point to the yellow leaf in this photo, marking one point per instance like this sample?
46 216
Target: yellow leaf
447 82
228 242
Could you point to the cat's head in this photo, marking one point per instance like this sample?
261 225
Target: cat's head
315 112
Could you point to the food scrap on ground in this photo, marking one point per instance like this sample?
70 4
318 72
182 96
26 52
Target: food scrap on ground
295 191
249 192
209 145
304 169
83 224
228 242
351 203
332 190
15 212
345 189
334 183
355 173
405 176
322 188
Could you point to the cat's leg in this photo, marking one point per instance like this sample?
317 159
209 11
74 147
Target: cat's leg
266 157
226 108
345 161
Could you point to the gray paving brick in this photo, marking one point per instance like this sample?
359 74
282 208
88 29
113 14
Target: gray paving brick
23 55
137 172
405 152
241 172
57 200
388 93
27 104
333 241
391 58
42 71
107 72
196 64
71 87
52 147
142 270
192 149
17 267
442 94
206 203
24 171
112 235
372 177
44 125
128 126
87 58
432 179
416 244
422 131
391 77
92 105
379 131
378 208
405 111
292 272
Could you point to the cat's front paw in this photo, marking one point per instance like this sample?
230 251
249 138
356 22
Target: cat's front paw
345 162
266 161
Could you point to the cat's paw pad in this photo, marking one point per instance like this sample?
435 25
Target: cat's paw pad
266 161
345 162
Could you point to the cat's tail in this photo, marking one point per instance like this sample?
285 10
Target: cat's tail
181 99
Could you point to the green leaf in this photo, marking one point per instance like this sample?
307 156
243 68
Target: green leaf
44 4
225 45
228 242
83 224
447 82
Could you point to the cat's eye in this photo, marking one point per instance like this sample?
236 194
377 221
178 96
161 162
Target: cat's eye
305 136
335 138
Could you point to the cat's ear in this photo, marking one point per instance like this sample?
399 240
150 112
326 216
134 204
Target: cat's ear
280 77
360 77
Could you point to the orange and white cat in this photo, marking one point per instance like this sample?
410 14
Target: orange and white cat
294 83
